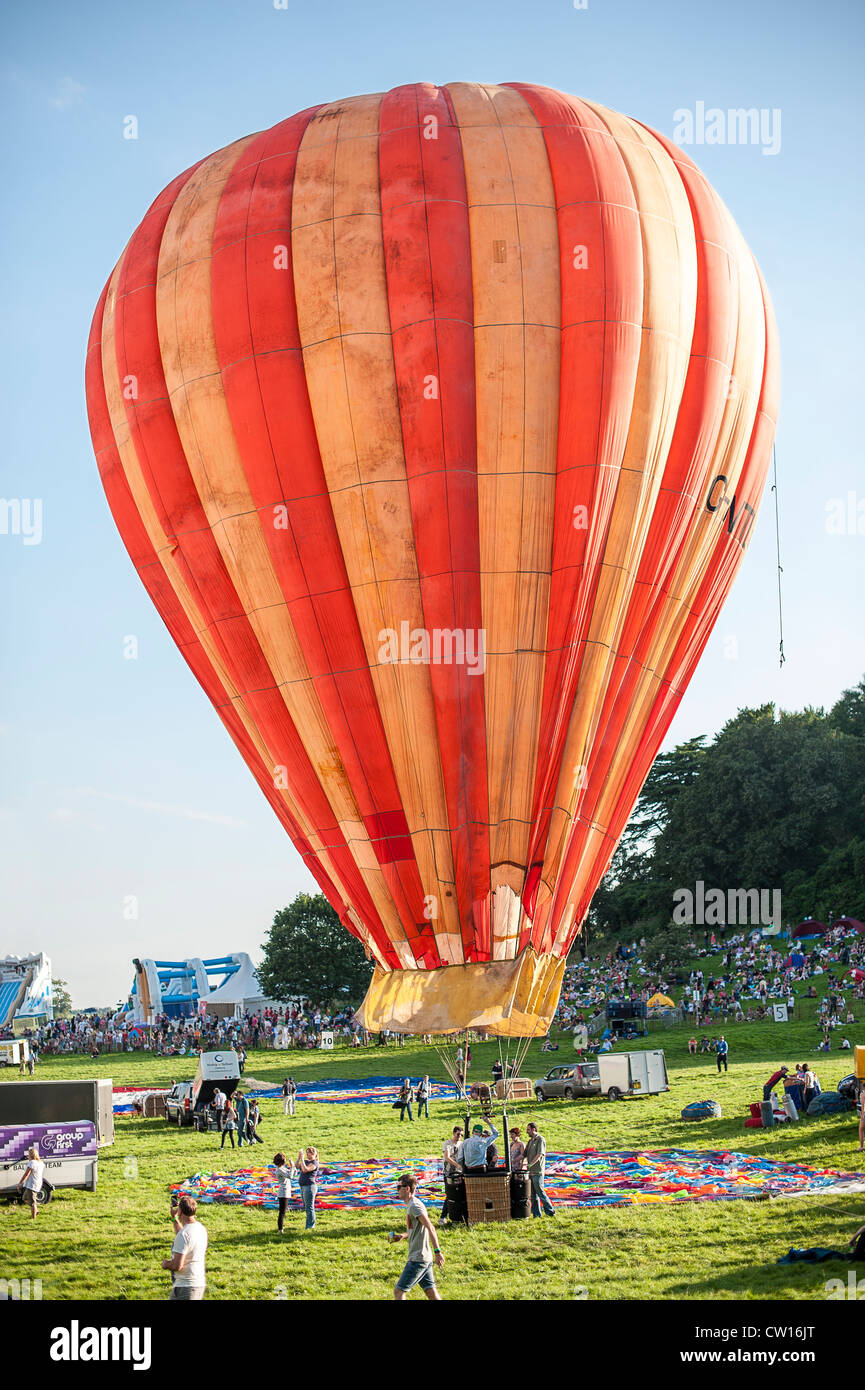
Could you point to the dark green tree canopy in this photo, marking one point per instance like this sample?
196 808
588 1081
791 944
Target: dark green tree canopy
775 801
308 952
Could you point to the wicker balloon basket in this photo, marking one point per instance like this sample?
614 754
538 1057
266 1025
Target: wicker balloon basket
489 1197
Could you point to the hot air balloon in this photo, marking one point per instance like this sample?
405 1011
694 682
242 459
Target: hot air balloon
435 424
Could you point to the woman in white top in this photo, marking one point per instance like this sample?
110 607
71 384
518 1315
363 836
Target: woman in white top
31 1183
284 1174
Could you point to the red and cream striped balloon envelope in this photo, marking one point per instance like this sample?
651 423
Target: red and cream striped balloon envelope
435 424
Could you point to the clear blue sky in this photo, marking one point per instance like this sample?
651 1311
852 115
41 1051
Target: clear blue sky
117 777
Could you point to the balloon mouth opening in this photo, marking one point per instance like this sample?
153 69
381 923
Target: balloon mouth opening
506 998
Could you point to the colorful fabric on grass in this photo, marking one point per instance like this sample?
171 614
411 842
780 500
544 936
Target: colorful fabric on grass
127 1097
369 1090
586 1179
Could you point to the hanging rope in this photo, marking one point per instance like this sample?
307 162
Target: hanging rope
778 555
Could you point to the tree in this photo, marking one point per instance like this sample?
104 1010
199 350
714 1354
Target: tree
775 801
668 777
62 998
309 953
848 714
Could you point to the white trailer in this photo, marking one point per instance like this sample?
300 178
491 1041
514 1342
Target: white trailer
68 1151
14 1051
632 1074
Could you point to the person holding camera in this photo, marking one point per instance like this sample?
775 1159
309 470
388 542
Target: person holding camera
421 1095
404 1100
186 1263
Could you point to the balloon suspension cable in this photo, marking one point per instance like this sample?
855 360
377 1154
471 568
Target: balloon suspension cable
523 1046
778 556
447 1064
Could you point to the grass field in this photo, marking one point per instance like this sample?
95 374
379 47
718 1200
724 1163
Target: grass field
108 1244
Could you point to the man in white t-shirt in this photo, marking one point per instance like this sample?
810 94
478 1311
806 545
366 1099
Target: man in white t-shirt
31 1183
218 1104
188 1251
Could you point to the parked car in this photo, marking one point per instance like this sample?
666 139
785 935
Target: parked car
179 1107
567 1083
848 1087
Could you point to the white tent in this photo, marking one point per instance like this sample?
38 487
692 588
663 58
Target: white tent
241 991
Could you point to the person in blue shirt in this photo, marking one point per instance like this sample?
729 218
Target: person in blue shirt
473 1150
722 1048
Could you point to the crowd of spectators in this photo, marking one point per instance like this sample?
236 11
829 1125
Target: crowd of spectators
296 1026
755 972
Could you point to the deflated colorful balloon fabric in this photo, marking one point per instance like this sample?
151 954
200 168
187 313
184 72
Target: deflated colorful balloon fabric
372 1090
585 1179
126 1097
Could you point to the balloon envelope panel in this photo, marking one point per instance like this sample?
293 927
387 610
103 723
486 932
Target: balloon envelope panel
435 423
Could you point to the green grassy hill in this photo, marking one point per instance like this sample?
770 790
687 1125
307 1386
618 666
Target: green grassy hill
108 1244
